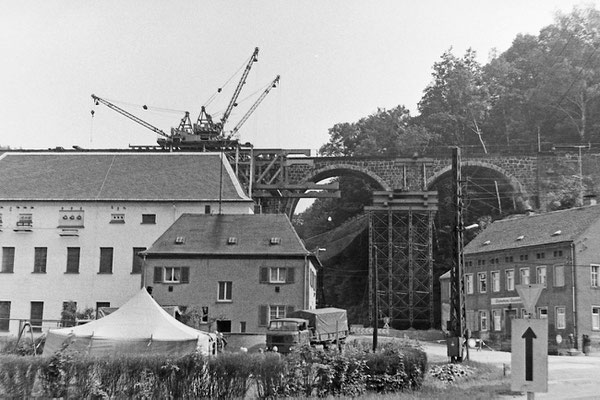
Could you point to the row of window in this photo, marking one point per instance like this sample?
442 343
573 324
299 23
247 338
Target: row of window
510 259
482 321
75 219
266 313
40 260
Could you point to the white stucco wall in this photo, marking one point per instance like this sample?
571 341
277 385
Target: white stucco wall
88 286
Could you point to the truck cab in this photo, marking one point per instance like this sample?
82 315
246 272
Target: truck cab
286 333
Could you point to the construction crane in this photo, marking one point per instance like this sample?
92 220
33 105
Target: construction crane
254 106
110 105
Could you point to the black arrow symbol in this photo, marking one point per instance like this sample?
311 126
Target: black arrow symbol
529 336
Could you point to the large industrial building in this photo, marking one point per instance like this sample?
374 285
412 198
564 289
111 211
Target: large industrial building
72 223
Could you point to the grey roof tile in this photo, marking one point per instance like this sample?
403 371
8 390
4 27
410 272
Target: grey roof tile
115 176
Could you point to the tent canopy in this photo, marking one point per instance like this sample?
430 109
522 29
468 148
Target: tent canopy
139 326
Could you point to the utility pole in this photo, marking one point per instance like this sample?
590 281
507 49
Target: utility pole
457 290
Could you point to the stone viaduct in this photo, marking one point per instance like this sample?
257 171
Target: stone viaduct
533 180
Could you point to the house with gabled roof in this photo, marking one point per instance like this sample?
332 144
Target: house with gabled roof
561 251
72 223
241 271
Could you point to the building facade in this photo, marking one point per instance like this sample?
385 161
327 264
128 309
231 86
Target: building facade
241 271
558 250
72 224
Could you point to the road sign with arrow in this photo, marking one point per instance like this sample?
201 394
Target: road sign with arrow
529 355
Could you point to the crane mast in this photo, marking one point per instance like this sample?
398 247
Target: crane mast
255 106
238 89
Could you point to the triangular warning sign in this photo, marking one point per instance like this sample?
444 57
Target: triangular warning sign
530 295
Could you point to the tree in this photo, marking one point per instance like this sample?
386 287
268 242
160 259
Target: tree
456 102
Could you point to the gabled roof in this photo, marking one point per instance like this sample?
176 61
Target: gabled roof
117 176
535 230
206 235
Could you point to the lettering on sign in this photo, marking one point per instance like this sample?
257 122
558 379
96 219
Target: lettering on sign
505 300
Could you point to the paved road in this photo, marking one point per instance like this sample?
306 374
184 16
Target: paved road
569 377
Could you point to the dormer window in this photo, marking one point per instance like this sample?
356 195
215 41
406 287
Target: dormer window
232 240
25 220
520 237
275 240
557 233
117 218
180 240
70 218
486 243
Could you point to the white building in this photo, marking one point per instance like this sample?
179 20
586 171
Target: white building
71 223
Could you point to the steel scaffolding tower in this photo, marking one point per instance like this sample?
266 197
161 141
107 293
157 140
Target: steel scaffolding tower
401 258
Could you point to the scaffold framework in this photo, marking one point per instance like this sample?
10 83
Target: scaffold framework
401 258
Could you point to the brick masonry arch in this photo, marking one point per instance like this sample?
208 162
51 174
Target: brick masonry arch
520 195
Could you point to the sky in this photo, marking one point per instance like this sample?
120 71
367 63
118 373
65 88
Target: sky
339 61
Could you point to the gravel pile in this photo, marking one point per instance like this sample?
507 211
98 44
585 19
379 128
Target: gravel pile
450 372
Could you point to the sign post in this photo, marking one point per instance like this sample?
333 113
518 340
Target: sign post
529 356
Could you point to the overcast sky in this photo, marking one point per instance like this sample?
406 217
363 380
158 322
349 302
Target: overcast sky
338 60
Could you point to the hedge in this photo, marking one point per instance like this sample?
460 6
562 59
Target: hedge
306 372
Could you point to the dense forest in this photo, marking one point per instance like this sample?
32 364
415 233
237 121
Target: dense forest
543 91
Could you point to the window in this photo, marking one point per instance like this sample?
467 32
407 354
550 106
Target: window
542 312
523 257
171 274
540 256
482 279
99 305
483 320
207 209
4 316
136 264
541 275
495 275
148 218
594 269
68 316
0 220
276 312
557 253
510 279
497 319
225 288
276 275
36 316
524 276
25 220
559 275
596 318
560 318
242 326
8 259
275 240
72 260
106 260
70 219
39 260
117 218
508 259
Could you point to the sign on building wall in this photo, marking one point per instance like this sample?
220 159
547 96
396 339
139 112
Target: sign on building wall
498 301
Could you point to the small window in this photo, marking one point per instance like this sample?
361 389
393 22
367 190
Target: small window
206 209
37 315
172 275
482 279
523 257
495 275
276 312
524 276
148 218
596 318
70 218
508 259
99 306
25 220
510 279
39 260
8 260
117 218
560 318
540 256
541 275
469 283
594 269
4 316
559 275
0 221
542 312
557 253
73 260
277 275
180 240
483 320
224 291
232 240
106 260
275 240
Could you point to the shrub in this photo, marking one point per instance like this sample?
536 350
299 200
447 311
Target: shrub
18 375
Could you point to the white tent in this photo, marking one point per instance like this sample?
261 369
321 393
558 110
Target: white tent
139 326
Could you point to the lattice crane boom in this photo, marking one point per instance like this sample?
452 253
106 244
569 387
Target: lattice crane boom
129 115
255 106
